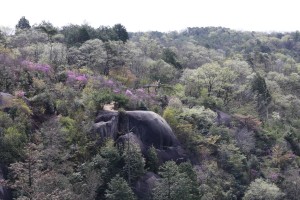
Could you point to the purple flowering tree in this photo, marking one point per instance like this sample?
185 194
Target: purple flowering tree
76 78
37 67
135 96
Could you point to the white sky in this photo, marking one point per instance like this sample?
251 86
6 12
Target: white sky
158 15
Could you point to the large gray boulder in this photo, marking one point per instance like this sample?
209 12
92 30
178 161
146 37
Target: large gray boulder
223 119
133 139
6 100
151 129
148 126
144 128
106 126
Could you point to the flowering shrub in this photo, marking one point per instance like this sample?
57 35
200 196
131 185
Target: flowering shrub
139 98
19 94
74 77
128 93
81 78
136 97
44 68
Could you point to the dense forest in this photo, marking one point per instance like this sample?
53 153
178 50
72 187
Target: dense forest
231 99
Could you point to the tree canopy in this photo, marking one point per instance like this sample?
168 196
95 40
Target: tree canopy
23 23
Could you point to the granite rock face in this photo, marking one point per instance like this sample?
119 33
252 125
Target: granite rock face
148 126
223 119
6 100
106 126
151 129
123 139
144 128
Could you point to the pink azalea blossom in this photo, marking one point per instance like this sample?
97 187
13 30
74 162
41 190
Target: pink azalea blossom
128 93
116 91
140 90
81 78
110 82
20 93
36 66
273 176
72 76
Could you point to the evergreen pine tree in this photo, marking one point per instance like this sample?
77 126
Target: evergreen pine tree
134 162
152 161
23 24
175 183
118 189
83 35
121 32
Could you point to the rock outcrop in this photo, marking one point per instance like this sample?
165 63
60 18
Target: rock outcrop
223 119
143 187
133 139
106 126
144 128
151 129
5 193
6 100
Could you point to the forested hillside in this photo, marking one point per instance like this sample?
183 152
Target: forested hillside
231 98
